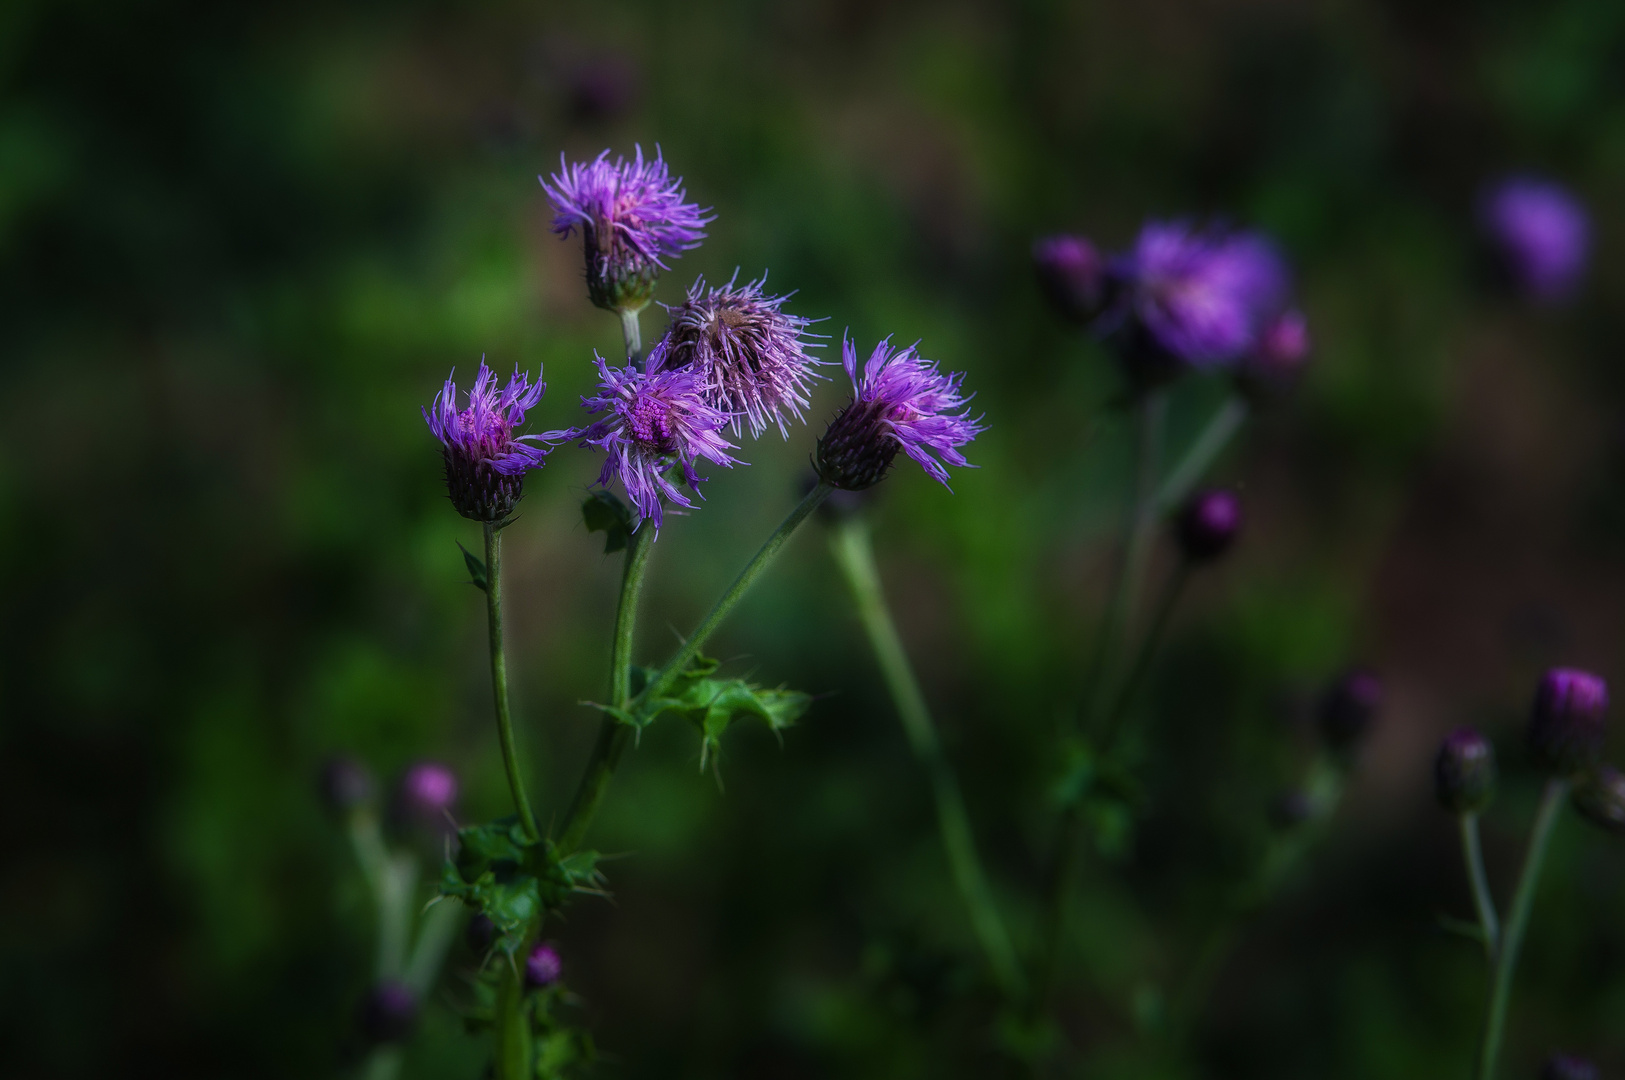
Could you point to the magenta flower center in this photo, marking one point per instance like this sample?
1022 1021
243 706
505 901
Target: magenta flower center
650 423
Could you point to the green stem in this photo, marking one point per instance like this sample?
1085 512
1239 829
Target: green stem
1063 866
499 679
1113 725
1208 445
1473 855
513 1049
439 928
632 335
390 879
1551 802
855 555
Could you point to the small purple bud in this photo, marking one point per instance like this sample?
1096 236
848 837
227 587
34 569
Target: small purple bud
1277 360
427 791
1568 1067
543 966
480 933
1208 524
1290 809
1600 798
1464 772
390 1012
1568 724
344 784
1072 275
1540 233
1349 708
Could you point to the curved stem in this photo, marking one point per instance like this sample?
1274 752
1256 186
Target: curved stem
855 556
499 679
1175 588
1208 445
1551 802
1473 855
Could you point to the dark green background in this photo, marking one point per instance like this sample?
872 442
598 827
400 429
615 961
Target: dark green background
241 244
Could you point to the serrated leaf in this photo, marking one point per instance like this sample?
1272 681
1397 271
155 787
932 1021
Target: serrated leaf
477 576
604 512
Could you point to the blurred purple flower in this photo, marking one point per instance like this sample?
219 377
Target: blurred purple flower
633 216
543 966
1569 720
427 791
1208 524
389 1013
1072 275
1541 234
901 401
656 418
751 356
485 461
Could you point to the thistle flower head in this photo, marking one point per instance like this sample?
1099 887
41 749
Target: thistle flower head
485 461
633 216
750 355
1540 233
425 795
1202 298
1464 771
1072 275
655 418
1568 723
1600 798
900 401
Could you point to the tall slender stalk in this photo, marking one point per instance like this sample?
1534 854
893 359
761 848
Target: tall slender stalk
1220 429
1523 900
499 679
855 555
1473 856
1112 726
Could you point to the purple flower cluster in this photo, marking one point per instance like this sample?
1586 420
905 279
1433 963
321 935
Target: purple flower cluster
1540 232
751 356
900 401
485 461
633 216
655 417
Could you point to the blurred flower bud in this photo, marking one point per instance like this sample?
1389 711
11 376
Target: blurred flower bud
1540 235
1567 1067
426 792
543 966
1348 709
1464 771
479 934
344 784
1208 524
1277 360
1600 798
390 1012
1569 720
1290 809
1072 275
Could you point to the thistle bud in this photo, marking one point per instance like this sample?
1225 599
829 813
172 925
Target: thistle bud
486 461
1208 525
1567 1067
1349 708
1464 772
1568 723
1600 798
390 1012
543 966
1277 360
344 784
1072 275
427 791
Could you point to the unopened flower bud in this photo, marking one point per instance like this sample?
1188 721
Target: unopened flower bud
1600 798
1349 708
1568 724
344 784
543 966
427 791
1208 524
1072 275
1567 1067
1278 358
1464 771
390 1012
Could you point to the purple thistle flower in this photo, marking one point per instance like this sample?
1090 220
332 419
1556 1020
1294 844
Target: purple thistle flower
633 217
1540 232
425 795
485 461
1203 298
657 417
901 401
750 355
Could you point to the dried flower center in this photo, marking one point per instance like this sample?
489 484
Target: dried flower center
650 422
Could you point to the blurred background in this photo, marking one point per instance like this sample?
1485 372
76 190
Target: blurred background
242 244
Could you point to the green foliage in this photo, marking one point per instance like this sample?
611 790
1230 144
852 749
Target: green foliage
604 512
515 881
477 576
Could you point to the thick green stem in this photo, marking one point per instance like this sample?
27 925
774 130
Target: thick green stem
1506 963
1208 445
513 1038
1112 728
855 555
499 679
1473 855
632 335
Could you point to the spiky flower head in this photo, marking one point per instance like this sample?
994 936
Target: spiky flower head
1464 771
485 461
1197 299
1540 233
1600 798
751 356
1568 723
1072 275
633 216
654 418
900 401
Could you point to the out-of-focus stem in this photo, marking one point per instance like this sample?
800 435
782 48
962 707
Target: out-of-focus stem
1473 855
1112 726
499 679
632 335
1226 421
855 555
